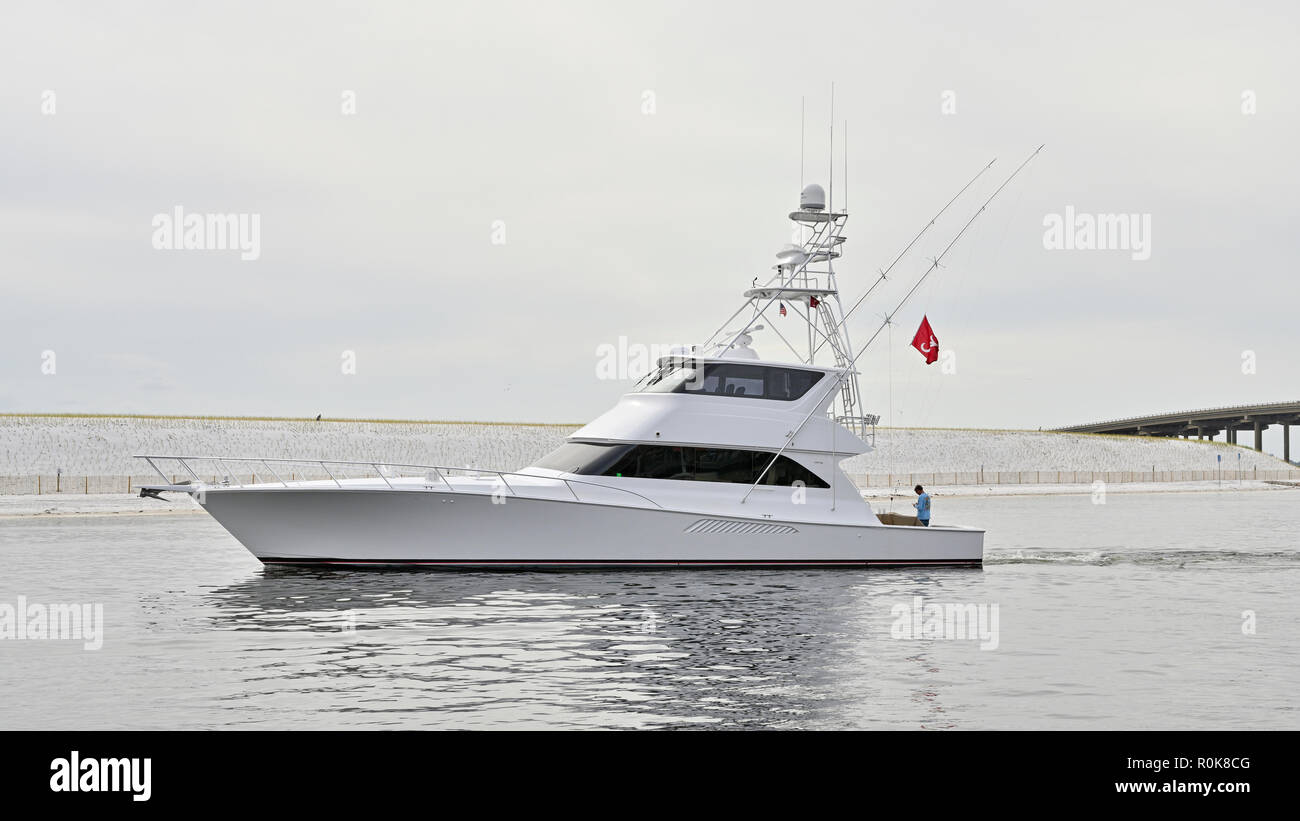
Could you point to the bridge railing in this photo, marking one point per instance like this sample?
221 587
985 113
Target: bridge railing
1174 417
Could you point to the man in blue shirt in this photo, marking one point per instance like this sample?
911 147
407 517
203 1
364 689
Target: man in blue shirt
922 506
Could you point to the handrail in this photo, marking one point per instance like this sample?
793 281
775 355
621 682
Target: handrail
183 461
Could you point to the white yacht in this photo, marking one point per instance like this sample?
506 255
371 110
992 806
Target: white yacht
718 457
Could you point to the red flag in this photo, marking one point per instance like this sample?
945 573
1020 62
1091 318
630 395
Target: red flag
926 342
813 302
782 309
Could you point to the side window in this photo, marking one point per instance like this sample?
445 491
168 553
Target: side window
653 462
778 385
710 465
752 381
787 471
789 384
627 466
724 466
665 463
745 385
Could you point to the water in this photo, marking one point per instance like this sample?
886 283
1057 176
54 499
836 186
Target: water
1122 615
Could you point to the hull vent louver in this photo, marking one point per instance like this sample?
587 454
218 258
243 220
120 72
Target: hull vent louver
739 528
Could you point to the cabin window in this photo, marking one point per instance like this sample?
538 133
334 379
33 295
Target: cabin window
731 379
711 465
582 458
678 463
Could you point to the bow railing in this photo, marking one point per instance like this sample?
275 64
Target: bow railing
226 472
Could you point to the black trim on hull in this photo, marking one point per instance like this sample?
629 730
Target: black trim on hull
607 564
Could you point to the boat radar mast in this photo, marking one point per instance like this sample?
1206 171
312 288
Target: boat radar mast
804 280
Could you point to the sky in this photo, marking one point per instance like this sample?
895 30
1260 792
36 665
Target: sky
466 201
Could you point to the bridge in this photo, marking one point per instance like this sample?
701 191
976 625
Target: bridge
1206 424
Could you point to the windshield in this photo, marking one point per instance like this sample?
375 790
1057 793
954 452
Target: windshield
582 458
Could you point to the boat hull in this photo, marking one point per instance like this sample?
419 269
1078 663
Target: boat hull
377 528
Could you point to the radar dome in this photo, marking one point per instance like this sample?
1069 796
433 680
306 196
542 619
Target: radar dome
813 198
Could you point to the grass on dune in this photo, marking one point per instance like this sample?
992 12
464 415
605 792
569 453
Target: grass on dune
1120 436
180 417
566 425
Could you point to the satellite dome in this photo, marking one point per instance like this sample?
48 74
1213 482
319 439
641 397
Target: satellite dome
813 198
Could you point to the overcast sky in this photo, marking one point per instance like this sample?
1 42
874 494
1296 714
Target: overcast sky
377 228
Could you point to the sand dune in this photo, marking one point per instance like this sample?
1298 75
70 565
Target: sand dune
32 445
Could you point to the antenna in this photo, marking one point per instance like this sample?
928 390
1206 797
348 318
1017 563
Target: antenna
830 174
846 166
803 116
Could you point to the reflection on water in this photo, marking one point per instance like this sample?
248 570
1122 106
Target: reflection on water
585 649
1127 615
